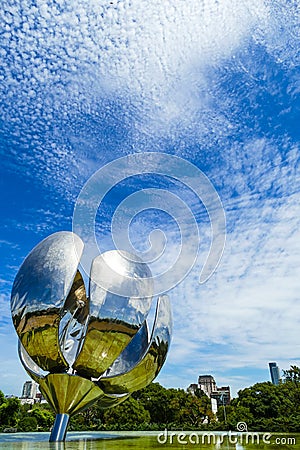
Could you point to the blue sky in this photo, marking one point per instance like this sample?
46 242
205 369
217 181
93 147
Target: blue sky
214 82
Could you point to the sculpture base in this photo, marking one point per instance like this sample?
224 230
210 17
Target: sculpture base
59 429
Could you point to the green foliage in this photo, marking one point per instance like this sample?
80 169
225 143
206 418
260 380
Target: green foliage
129 415
2 398
43 417
156 400
90 419
77 423
9 410
292 374
152 408
28 423
174 408
267 407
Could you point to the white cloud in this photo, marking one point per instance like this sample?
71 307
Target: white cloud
62 63
148 51
5 315
281 36
12 374
249 309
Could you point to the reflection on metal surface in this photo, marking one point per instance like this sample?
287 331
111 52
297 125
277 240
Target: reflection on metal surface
74 319
114 320
29 365
107 401
59 429
151 362
39 291
69 394
84 349
131 355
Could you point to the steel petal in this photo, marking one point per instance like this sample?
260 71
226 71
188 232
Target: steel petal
132 354
150 364
114 319
29 365
69 394
39 292
73 321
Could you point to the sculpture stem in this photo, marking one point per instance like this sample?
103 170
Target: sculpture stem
59 429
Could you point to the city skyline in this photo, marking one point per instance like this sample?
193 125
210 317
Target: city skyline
192 80
191 387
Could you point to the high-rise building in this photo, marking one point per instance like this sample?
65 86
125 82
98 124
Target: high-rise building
220 396
207 384
274 371
29 389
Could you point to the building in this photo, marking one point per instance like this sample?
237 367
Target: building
29 390
274 371
220 396
29 393
193 388
207 384
39 398
214 405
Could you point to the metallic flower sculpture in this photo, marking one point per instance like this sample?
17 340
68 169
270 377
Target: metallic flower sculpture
84 348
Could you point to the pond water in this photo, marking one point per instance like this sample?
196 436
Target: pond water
149 440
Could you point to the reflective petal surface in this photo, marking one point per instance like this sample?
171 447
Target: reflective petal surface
114 319
73 321
107 401
152 361
132 354
29 365
69 394
39 292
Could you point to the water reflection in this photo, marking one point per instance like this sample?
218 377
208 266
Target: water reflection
78 441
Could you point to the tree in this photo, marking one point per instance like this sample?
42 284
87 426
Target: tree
129 415
194 412
90 419
2 398
43 417
174 408
292 374
265 407
9 410
156 399
28 423
234 414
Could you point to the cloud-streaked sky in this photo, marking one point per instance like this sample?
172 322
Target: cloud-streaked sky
214 82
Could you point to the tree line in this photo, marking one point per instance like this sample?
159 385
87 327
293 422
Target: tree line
267 407
263 406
